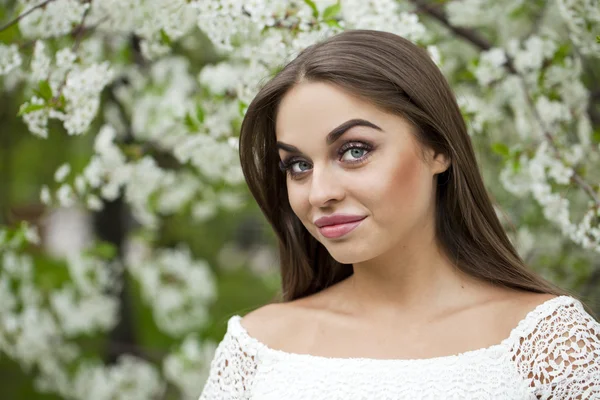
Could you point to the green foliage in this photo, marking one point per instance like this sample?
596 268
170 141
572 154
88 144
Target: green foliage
102 250
44 90
165 38
501 149
31 108
314 8
332 11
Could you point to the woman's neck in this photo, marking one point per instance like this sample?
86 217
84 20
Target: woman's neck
414 277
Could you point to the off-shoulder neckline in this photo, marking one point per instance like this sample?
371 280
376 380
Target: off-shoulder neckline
522 329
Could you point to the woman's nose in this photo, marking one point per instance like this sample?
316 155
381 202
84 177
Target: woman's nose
325 187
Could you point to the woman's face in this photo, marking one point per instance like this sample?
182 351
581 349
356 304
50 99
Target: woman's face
369 169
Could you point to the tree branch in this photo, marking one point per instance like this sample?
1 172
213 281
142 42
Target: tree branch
26 13
78 32
469 35
478 41
537 20
576 177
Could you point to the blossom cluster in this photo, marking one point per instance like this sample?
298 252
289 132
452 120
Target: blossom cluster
178 288
37 324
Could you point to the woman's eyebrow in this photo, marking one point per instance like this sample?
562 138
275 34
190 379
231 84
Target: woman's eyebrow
334 135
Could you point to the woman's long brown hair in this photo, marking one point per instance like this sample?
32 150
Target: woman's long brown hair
399 77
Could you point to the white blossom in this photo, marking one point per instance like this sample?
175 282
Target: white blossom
65 196
55 19
37 120
178 193
130 379
83 314
65 60
178 288
532 53
581 17
552 112
189 365
383 15
82 90
45 196
9 58
62 172
94 203
220 78
203 210
32 234
490 67
434 52
40 62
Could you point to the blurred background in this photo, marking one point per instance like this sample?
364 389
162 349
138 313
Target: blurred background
127 235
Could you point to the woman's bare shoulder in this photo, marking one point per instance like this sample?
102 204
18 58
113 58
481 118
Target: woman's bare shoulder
276 323
273 324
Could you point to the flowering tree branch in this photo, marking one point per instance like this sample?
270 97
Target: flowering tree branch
80 29
26 13
575 177
78 32
468 34
481 43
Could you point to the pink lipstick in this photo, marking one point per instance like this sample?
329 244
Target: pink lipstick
338 225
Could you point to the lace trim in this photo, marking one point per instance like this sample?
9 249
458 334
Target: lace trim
558 351
521 330
555 349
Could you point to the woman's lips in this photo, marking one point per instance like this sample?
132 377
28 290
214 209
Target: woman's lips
339 230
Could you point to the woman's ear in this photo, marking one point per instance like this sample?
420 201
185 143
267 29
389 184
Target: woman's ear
439 163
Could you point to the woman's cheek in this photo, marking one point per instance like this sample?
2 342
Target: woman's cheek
395 188
298 201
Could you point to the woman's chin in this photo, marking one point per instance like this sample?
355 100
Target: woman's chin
348 255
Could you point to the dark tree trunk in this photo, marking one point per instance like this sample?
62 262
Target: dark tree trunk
111 225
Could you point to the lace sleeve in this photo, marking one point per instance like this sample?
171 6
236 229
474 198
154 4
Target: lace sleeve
560 354
232 368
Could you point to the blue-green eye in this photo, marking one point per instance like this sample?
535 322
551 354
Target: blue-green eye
353 154
302 166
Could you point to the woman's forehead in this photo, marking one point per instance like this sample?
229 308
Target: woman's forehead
319 107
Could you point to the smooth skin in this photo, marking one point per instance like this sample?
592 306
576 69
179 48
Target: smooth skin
405 300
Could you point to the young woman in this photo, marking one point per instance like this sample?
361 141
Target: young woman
398 279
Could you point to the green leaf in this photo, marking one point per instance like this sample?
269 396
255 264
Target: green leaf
333 23
331 11
191 123
561 53
516 164
104 250
165 38
314 8
133 151
554 95
200 114
31 108
598 39
242 107
596 136
501 149
44 90
518 12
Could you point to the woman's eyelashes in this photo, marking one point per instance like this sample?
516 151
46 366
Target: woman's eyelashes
353 153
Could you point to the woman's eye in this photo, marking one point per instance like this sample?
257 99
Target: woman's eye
353 154
300 166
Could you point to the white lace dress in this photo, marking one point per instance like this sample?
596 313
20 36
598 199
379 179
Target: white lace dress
553 353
